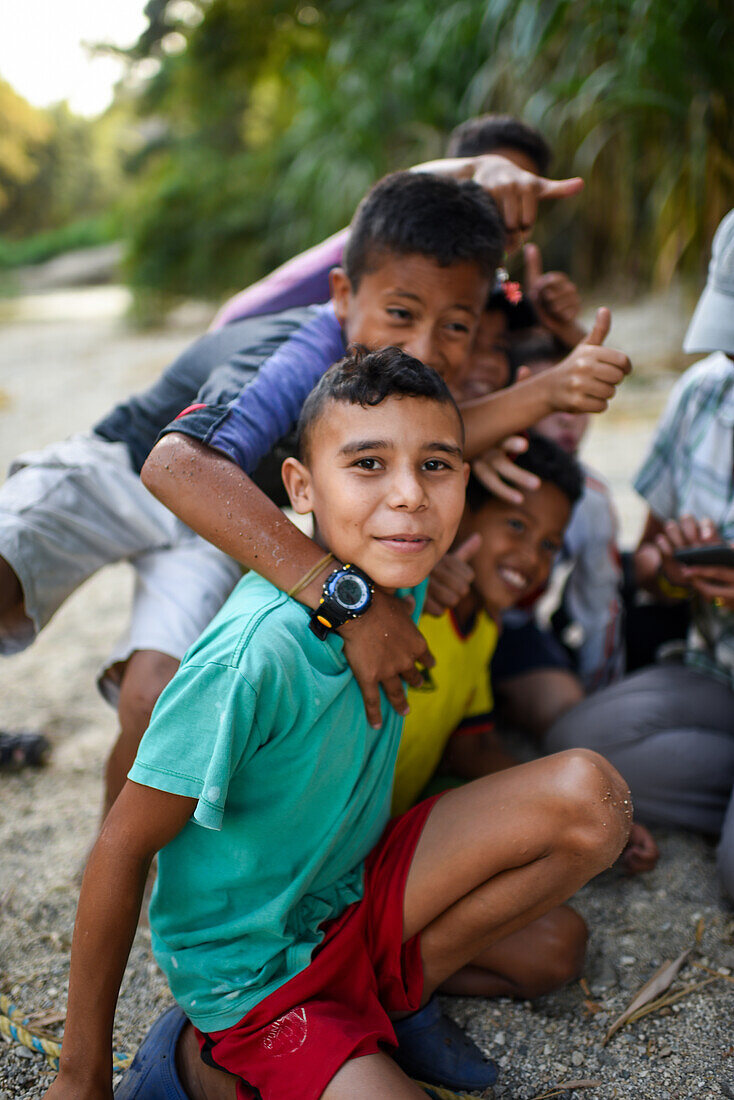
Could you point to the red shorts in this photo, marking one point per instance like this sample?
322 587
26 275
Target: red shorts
338 1007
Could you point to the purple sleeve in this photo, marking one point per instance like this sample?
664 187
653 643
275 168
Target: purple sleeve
302 281
248 427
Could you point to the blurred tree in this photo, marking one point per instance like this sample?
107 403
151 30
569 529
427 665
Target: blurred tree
23 131
77 173
56 167
636 96
276 116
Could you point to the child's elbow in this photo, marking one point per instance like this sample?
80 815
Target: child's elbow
159 469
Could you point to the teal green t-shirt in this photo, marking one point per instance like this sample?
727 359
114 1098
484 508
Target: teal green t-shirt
264 725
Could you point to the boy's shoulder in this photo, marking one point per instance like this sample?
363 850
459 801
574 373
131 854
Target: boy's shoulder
716 367
302 280
596 494
264 635
254 398
260 631
594 517
252 340
704 384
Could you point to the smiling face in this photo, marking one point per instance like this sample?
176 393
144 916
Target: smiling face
385 484
413 303
519 545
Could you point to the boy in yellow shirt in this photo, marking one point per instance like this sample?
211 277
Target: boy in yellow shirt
512 548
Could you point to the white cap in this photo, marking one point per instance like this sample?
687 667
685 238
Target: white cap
712 325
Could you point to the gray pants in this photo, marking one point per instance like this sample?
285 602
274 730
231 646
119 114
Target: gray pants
670 732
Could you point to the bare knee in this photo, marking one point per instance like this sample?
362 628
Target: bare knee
594 803
145 676
11 593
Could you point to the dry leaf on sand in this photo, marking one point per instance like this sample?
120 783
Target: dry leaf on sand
657 984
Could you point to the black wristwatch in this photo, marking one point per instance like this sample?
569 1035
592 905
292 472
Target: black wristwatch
347 594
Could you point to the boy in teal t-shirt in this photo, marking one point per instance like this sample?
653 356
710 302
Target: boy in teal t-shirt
293 922
291 791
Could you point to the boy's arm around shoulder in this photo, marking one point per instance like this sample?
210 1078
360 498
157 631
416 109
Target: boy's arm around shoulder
585 381
219 501
141 821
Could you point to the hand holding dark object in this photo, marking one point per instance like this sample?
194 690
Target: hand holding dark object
714 583
452 578
718 554
679 535
641 853
709 568
384 648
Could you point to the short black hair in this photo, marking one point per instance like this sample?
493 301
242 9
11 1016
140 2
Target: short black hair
367 378
534 346
486 133
546 460
444 219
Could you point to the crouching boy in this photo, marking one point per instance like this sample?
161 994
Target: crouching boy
292 922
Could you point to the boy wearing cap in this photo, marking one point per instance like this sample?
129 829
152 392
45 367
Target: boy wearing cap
670 727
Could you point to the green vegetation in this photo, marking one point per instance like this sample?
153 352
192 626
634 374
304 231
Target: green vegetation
280 115
84 233
61 179
262 122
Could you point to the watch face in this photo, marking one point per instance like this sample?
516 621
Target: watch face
351 591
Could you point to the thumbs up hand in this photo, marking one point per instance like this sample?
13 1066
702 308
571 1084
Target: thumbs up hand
587 379
452 577
600 328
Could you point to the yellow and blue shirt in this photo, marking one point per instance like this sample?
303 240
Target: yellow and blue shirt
457 699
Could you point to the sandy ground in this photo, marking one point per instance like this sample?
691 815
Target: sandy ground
61 365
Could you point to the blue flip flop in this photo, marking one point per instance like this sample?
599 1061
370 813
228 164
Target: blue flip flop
432 1048
153 1074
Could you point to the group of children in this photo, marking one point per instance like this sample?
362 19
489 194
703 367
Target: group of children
339 831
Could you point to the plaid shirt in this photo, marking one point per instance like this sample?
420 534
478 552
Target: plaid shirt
690 471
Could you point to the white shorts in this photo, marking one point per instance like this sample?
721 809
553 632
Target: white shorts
69 509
